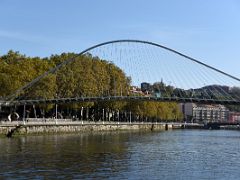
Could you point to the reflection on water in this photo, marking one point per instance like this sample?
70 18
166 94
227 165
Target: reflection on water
182 154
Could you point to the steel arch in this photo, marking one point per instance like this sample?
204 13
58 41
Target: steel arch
52 70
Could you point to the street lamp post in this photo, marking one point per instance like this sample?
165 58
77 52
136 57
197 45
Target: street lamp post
24 112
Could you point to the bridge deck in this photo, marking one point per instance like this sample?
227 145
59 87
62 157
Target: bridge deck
119 98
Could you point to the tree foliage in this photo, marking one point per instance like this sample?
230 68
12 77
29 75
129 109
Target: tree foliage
84 76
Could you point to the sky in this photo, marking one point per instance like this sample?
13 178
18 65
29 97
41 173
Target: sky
206 30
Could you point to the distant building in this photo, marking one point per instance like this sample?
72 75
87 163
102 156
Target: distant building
135 90
234 116
204 113
145 87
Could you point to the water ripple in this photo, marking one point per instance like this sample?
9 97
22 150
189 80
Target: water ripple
123 155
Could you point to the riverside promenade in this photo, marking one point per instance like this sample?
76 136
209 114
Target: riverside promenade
47 126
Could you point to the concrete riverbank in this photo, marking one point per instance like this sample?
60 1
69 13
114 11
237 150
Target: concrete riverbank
48 126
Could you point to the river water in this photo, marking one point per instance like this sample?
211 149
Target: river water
178 154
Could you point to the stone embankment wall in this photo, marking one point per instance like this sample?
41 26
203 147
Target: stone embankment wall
75 126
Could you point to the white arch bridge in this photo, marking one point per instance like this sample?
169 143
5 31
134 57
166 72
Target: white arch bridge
149 72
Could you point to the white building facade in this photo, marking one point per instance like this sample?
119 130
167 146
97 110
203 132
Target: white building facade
204 113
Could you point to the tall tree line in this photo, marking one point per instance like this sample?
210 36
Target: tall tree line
85 76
